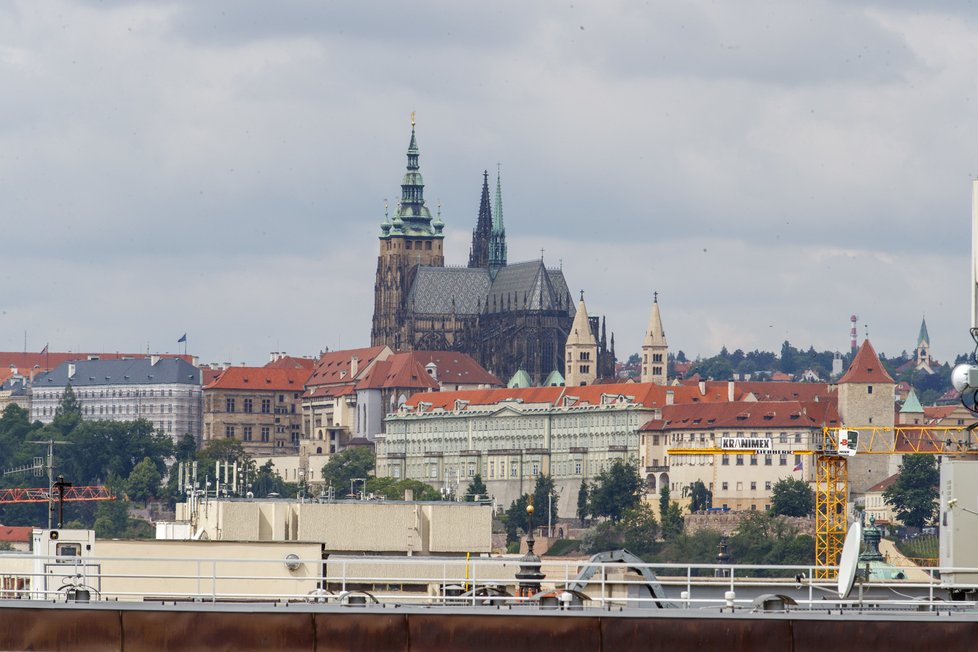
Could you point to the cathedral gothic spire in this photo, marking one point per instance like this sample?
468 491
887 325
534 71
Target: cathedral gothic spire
481 234
497 241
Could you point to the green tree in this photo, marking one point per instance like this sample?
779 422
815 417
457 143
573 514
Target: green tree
766 539
639 530
68 414
700 498
790 497
915 492
476 488
342 467
144 481
186 448
697 548
543 489
616 490
269 481
583 495
394 488
102 448
516 518
670 514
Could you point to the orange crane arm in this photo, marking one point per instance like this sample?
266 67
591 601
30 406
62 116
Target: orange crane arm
41 495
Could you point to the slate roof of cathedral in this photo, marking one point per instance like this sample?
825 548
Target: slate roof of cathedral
466 291
435 288
534 286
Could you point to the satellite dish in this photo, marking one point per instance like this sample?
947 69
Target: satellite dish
849 559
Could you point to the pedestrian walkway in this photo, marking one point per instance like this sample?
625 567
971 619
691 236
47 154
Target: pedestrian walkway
893 556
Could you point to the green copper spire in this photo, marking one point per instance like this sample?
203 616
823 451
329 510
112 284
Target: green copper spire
497 238
923 338
912 404
412 217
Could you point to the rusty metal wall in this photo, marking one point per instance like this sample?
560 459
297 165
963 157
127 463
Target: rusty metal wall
80 629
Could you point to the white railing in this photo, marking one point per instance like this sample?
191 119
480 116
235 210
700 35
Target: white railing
433 581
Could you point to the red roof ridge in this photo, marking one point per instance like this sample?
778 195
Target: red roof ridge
866 367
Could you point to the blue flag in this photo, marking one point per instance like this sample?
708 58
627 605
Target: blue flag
183 338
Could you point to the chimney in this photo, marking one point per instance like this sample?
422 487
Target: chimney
730 391
354 366
670 397
702 388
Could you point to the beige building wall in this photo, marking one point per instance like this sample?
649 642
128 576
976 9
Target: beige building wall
348 526
163 569
739 482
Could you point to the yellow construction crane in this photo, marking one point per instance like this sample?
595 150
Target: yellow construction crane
832 449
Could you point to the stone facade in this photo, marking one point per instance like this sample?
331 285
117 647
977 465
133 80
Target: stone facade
511 436
738 481
164 391
866 400
259 406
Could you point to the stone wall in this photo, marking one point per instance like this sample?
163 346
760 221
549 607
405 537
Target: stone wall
727 522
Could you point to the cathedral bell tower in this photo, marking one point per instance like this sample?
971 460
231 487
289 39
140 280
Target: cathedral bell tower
655 350
410 240
580 350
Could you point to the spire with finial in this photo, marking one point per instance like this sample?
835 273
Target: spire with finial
482 233
497 240
412 216
655 349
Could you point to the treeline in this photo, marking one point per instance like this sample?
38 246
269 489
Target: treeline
136 463
759 365
619 517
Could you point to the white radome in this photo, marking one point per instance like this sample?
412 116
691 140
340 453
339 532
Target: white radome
962 377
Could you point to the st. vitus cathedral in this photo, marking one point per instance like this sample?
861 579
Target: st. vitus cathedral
506 316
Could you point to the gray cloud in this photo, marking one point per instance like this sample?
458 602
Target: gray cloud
166 165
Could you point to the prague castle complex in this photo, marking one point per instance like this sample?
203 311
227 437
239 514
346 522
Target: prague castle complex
509 317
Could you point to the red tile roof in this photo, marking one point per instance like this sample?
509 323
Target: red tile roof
290 362
866 367
333 367
261 379
710 416
647 394
938 412
455 368
401 370
208 375
15 534
883 485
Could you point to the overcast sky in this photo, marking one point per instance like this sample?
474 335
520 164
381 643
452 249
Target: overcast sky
220 168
